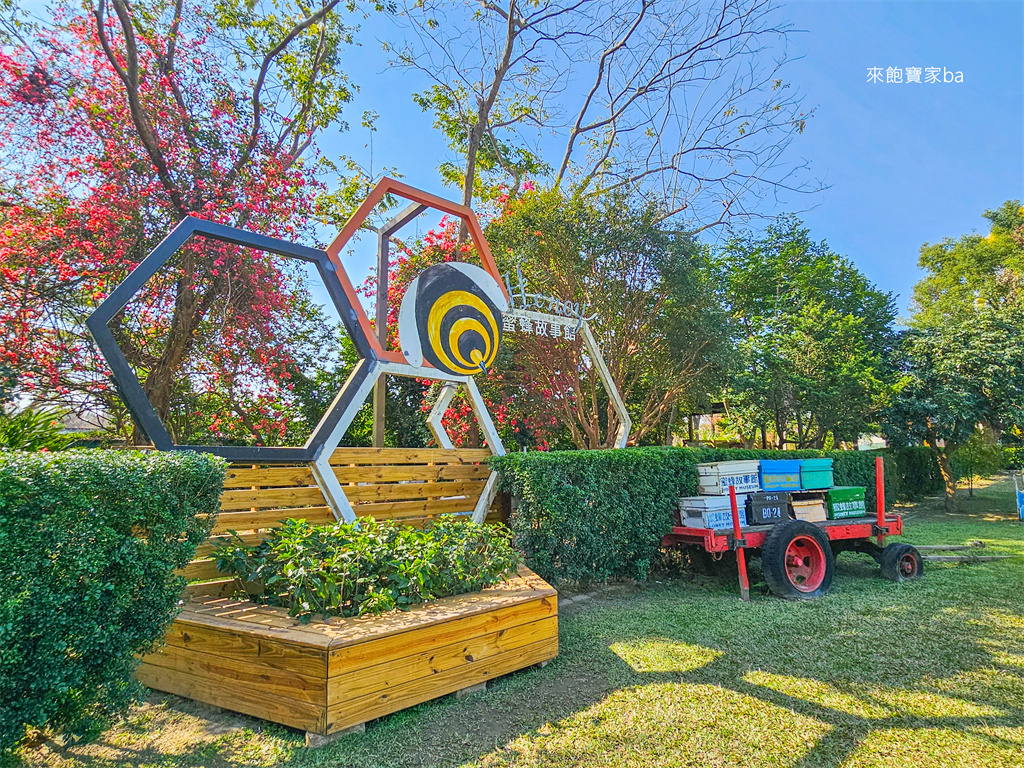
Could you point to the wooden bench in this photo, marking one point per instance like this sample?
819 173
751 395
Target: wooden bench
325 678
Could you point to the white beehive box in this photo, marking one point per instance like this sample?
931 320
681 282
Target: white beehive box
716 477
719 520
710 511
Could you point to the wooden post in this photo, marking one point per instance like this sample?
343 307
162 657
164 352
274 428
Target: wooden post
380 387
741 555
880 498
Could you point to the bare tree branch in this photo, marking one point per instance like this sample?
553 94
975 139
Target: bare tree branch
683 103
261 78
129 76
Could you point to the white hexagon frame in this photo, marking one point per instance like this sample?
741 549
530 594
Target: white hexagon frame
334 491
625 423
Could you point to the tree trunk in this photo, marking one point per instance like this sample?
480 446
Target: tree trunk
483 112
948 478
469 178
671 424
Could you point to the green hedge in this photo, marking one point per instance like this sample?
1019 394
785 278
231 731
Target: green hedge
88 543
592 515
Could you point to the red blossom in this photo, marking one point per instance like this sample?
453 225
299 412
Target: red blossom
90 204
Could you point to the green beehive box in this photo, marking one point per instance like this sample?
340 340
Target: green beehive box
844 502
816 474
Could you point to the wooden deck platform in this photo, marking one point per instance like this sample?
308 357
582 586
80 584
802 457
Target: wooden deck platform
326 677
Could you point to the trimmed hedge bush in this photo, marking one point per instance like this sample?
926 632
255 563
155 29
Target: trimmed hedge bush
88 543
369 567
592 515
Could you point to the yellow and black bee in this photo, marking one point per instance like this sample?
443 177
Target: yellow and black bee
451 317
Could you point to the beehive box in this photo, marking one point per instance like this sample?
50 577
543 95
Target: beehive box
811 510
845 501
716 477
767 508
710 511
780 475
816 474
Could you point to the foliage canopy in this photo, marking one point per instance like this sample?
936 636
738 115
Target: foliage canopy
812 335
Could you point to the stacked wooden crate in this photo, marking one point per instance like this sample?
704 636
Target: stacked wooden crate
767 492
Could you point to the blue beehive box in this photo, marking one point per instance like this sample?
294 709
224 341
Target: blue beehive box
780 475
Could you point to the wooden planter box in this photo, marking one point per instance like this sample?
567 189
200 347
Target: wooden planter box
326 677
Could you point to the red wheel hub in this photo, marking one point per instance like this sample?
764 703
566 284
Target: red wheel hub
907 566
805 563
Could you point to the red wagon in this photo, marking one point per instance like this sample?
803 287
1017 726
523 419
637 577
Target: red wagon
798 556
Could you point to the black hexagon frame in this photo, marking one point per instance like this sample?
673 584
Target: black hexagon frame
130 388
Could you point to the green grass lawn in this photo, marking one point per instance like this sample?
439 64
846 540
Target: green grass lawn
681 673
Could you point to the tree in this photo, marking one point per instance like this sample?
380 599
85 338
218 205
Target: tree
656 316
812 336
973 272
658 321
976 280
980 456
120 120
962 360
680 100
954 378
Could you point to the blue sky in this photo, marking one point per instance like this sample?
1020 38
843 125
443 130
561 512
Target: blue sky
905 163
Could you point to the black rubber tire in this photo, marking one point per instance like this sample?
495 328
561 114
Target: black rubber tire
773 559
901 562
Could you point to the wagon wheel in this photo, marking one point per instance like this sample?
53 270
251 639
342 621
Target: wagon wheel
798 560
902 562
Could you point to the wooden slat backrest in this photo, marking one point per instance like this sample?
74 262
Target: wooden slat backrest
406 485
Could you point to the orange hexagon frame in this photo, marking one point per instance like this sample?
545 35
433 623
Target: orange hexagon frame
389 186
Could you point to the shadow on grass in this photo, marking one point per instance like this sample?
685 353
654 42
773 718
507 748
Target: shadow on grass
677 672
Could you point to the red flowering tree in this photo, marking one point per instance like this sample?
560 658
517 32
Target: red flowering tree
117 122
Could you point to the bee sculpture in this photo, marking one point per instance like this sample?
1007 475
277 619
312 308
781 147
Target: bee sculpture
450 317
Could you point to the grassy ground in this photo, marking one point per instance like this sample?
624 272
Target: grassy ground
680 673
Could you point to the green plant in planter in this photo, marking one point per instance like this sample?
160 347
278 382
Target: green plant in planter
368 567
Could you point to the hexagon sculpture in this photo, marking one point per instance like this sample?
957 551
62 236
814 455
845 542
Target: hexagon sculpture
376 359
393 362
134 395
420 202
